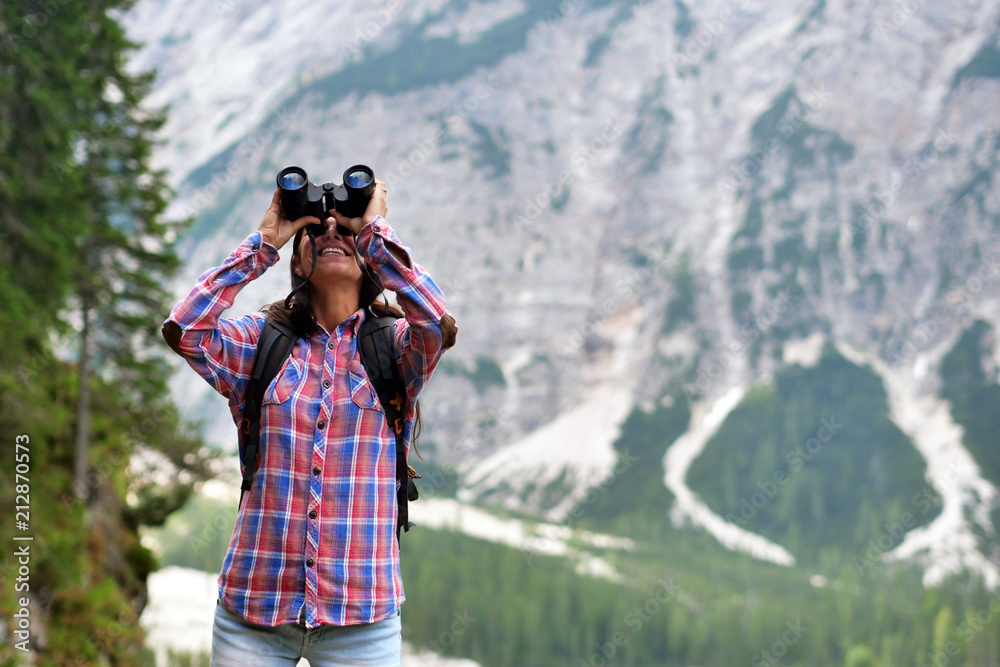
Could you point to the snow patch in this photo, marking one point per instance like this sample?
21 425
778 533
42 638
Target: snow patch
576 449
578 442
180 611
422 658
949 544
805 351
543 538
475 20
688 507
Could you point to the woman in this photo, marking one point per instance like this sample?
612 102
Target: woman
313 564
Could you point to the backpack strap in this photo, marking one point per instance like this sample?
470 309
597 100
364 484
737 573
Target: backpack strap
376 344
273 346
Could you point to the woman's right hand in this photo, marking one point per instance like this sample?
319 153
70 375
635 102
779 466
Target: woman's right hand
275 229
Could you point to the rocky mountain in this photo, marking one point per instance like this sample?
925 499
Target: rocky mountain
735 206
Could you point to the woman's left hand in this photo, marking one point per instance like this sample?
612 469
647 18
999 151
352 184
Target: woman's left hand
376 207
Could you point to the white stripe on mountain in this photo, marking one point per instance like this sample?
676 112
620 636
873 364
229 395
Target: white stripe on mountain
705 421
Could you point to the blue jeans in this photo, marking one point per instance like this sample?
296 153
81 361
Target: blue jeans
237 643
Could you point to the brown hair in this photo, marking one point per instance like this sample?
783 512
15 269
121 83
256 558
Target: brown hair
301 319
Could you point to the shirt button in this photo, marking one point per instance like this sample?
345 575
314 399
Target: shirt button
317 471
255 247
326 384
309 563
321 425
312 514
331 345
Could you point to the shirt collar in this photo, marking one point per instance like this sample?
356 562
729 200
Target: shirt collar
353 323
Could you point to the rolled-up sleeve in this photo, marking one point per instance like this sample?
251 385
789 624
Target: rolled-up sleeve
418 335
222 351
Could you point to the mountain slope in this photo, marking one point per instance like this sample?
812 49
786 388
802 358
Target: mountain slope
627 200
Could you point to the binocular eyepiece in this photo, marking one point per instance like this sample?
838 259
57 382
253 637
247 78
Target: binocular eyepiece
300 197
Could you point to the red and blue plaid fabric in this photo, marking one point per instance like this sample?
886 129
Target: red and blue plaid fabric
317 530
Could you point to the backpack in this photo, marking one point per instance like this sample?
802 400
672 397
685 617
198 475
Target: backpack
377 348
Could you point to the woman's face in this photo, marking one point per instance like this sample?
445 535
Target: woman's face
335 261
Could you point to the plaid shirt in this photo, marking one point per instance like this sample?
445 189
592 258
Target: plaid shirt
317 530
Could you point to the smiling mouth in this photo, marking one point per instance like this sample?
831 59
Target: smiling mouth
333 251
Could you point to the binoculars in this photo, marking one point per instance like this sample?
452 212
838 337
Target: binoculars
300 197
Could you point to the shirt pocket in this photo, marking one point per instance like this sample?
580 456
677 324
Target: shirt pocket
285 383
362 390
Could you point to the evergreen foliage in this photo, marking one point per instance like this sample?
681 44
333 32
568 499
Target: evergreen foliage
634 501
814 463
491 155
986 64
502 606
682 307
974 396
84 256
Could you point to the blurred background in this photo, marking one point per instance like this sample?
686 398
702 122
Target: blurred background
726 275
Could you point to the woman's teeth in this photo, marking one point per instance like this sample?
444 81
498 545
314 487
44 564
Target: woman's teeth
330 251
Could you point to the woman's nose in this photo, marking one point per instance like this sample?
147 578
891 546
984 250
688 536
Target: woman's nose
330 226
337 230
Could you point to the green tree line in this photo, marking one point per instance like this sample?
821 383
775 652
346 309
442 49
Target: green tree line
684 602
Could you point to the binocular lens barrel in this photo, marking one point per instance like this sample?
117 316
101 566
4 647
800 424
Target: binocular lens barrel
292 183
359 184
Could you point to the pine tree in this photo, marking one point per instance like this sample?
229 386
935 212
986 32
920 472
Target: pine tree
84 257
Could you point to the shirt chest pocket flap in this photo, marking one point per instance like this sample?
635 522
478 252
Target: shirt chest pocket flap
285 382
362 390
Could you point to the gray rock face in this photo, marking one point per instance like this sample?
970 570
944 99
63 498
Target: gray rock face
618 199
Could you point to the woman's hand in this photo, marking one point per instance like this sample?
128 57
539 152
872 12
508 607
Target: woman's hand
376 207
276 229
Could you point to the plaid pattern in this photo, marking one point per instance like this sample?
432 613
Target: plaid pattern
317 530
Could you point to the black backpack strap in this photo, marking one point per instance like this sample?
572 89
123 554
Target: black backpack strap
376 344
273 347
